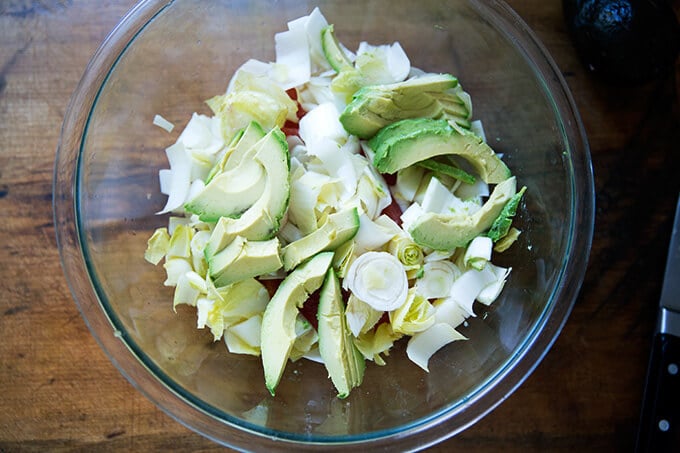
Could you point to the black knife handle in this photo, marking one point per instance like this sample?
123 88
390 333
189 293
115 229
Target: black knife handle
659 429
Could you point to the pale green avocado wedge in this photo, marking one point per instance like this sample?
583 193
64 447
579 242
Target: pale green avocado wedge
446 232
429 96
244 259
410 141
230 193
338 228
344 362
278 321
235 183
242 142
262 220
333 51
219 165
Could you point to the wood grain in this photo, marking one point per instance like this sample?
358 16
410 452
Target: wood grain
61 393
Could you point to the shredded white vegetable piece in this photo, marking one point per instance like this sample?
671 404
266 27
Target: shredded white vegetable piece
423 345
161 122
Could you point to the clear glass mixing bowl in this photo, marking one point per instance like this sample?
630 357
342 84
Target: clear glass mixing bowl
167 57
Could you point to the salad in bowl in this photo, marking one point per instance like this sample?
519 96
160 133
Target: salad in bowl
334 202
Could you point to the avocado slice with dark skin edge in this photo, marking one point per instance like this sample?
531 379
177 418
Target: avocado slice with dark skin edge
344 362
449 170
262 220
278 321
447 232
500 227
429 96
410 141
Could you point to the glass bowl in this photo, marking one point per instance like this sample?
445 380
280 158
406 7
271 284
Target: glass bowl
167 57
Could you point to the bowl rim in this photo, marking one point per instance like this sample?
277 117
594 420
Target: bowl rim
145 377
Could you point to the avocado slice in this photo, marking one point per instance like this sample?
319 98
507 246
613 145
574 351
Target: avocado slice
429 96
446 169
447 232
333 51
230 193
242 142
234 183
344 362
219 165
338 228
409 141
278 321
260 221
243 259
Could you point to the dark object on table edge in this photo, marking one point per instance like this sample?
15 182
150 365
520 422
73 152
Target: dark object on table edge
624 40
659 429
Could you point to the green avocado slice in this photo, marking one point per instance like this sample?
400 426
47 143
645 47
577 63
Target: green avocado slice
447 232
242 142
429 96
244 259
410 141
338 228
344 362
262 219
278 321
333 51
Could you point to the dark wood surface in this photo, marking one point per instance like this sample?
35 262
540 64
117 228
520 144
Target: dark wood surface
60 392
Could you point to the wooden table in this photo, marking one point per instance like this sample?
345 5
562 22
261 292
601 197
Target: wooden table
60 392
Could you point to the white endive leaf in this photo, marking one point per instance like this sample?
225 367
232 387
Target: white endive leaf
437 255
448 311
174 269
491 292
410 215
478 252
313 26
293 67
382 64
203 307
439 199
185 292
380 187
424 344
408 181
467 287
252 67
473 192
202 137
180 167
322 123
165 180
360 316
244 337
477 127
370 236
313 355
